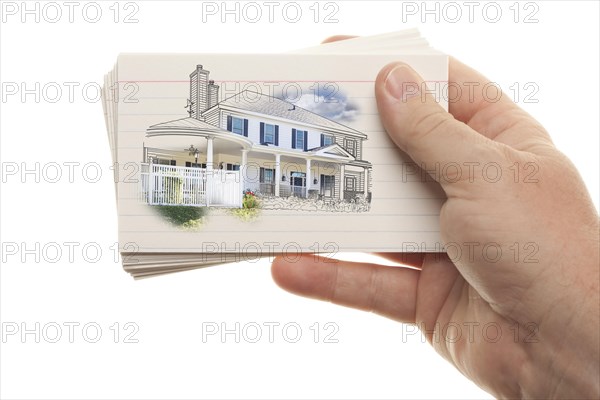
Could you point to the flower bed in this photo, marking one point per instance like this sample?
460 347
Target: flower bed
358 204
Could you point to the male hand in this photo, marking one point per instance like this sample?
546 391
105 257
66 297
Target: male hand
542 290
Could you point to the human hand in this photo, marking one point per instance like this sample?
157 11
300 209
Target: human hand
541 291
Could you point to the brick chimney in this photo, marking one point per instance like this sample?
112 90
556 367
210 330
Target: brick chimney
199 91
213 94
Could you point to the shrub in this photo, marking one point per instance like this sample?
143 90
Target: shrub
245 214
181 215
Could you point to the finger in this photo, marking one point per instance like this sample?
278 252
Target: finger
410 259
388 291
466 93
440 284
421 127
337 38
475 100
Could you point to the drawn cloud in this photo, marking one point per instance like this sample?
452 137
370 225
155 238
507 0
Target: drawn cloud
336 107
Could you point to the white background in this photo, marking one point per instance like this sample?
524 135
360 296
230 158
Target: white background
373 357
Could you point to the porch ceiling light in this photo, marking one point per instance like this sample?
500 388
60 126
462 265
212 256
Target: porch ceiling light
193 151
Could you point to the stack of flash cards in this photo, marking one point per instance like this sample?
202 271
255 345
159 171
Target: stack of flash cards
233 157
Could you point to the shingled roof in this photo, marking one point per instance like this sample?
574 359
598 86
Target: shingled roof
251 101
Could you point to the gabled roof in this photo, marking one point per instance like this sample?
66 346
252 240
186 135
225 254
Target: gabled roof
332 149
255 102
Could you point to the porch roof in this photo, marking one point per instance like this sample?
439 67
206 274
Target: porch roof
185 124
330 153
194 127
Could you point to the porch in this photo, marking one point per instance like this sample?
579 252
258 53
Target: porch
191 163
319 179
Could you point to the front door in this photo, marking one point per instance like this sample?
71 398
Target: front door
327 185
298 183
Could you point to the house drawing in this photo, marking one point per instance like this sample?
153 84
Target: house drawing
251 141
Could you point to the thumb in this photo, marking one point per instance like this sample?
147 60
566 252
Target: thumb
423 129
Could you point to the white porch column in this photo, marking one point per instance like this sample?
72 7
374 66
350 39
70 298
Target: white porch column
209 153
243 174
366 188
150 183
308 177
342 170
209 169
243 168
277 173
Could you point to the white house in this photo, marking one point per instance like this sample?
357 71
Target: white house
251 141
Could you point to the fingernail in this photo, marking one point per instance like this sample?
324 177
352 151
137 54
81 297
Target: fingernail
402 83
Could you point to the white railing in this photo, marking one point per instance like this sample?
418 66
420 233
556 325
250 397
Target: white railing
298 191
267 189
172 185
292 190
224 188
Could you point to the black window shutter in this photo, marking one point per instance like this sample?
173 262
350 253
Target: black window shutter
229 123
245 127
173 162
261 175
262 133
276 135
188 164
322 139
305 140
293 138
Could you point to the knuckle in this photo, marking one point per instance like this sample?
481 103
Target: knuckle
429 123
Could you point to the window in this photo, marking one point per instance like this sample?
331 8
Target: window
162 161
267 175
299 139
269 133
233 167
194 165
237 125
350 146
327 140
267 181
350 183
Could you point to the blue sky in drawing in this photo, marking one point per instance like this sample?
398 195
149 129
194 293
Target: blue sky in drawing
336 107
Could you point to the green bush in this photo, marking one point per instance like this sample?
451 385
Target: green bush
181 215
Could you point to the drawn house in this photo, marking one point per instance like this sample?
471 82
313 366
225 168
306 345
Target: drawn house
251 141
